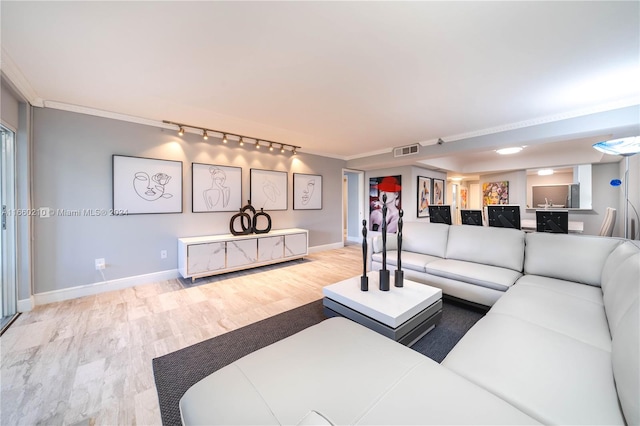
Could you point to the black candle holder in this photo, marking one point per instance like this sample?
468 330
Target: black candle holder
399 276
364 279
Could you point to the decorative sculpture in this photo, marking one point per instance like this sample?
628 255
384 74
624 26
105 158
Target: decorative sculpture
384 272
249 223
399 281
243 217
364 280
255 222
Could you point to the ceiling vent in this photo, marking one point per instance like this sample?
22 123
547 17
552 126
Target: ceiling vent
406 150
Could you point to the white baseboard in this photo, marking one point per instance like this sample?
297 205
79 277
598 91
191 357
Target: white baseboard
316 249
25 305
354 239
101 287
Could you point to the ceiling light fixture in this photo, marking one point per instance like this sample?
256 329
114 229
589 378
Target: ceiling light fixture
206 132
545 172
508 151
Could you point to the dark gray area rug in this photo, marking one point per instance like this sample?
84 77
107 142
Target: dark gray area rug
176 372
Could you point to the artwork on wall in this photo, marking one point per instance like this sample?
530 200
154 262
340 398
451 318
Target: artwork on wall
146 185
438 192
464 198
307 192
216 188
268 189
424 196
392 187
495 193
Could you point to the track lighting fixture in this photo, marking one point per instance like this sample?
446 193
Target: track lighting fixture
206 132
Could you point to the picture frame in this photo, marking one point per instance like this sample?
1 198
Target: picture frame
423 196
438 191
215 188
391 186
268 189
495 193
146 185
307 191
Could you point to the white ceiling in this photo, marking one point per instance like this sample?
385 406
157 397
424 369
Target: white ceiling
338 78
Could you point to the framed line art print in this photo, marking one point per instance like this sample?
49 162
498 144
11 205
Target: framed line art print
215 188
146 185
268 189
424 196
307 192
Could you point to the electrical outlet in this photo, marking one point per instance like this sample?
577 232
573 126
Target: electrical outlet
100 264
163 254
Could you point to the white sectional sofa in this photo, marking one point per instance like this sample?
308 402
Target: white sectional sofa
560 344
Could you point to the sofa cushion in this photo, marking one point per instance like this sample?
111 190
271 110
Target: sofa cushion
425 237
578 258
615 259
413 261
349 374
491 246
622 290
551 377
626 363
575 317
586 292
474 273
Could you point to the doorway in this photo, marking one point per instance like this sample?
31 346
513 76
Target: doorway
9 212
352 205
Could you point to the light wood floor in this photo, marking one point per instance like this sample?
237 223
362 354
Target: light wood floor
88 360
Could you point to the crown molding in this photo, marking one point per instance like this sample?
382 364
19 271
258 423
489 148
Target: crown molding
17 79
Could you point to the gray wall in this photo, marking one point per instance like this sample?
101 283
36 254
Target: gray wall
73 170
354 227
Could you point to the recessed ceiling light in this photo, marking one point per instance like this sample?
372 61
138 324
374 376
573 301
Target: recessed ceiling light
545 172
456 179
507 151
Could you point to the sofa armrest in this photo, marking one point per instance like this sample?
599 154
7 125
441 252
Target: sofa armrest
392 243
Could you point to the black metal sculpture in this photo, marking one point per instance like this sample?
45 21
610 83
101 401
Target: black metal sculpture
399 277
249 222
364 280
384 272
265 230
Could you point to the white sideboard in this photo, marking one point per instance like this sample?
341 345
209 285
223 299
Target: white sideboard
217 254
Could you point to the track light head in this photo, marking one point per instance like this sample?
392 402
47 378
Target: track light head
181 131
257 144
224 139
282 149
241 142
271 146
440 141
205 135
295 151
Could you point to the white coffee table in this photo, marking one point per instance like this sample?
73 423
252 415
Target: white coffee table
404 314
